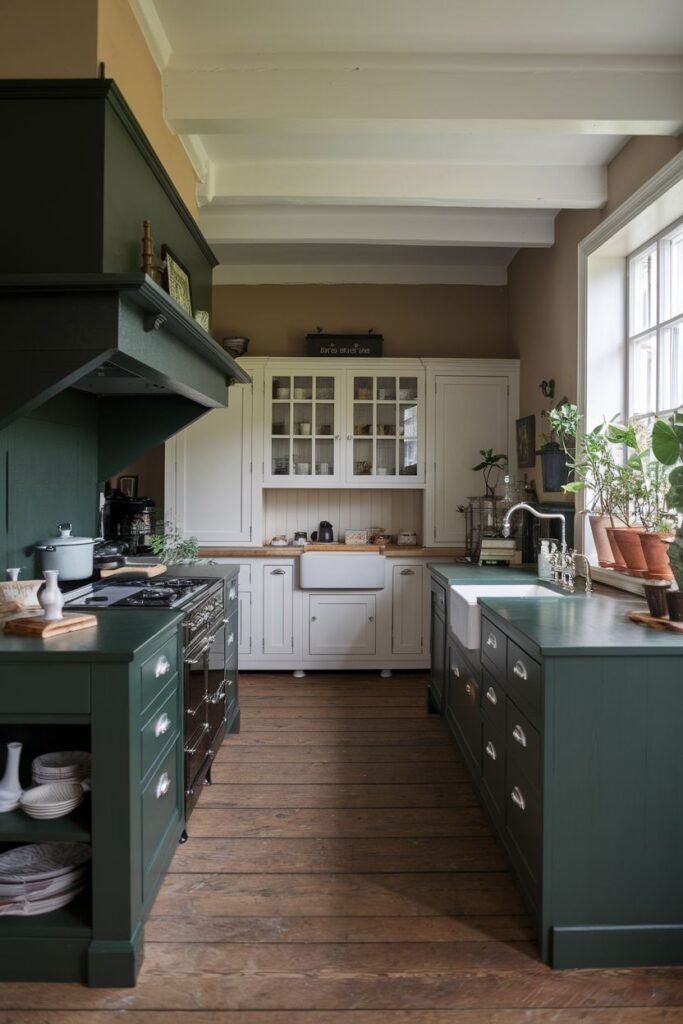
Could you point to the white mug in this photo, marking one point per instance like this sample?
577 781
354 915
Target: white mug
302 468
304 428
299 392
324 468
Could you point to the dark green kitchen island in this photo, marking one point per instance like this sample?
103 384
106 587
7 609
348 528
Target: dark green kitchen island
114 690
569 719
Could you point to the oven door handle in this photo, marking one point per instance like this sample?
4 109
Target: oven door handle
201 652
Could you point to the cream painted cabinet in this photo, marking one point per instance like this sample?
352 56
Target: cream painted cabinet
468 411
407 600
245 647
278 609
385 427
342 624
302 426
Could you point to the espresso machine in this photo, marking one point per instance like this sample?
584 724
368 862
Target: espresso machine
129 521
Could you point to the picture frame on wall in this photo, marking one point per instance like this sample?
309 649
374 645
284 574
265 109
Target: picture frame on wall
128 485
526 442
175 279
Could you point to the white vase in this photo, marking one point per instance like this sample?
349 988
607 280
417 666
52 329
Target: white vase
10 787
50 596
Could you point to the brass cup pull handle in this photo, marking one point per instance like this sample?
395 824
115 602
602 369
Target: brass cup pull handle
162 725
163 785
519 669
491 750
517 798
456 671
519 735
162 667
491 695
491 641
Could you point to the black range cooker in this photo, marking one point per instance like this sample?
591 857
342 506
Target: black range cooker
210 683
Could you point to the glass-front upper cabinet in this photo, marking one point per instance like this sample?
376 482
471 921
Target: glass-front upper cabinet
302 427
385 429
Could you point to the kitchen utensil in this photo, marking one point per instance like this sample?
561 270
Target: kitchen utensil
61 766
53 799
13 574
235 347
324 534
300 538
406 537
324 469
39 626
10 786
303 468
281 392
655 595
304 428
71 557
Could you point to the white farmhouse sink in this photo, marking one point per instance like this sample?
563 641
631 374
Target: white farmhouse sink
464 614
341 571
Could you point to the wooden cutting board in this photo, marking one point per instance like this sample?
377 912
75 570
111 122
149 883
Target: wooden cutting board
663 625
134 570
37 625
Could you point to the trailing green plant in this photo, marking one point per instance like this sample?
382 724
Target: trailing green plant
667 447
173 547
490 463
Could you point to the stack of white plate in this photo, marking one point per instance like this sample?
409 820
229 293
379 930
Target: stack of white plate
61 766
41 877
54 799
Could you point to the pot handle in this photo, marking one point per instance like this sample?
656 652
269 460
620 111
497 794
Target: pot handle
45 547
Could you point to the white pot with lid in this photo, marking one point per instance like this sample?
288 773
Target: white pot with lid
71 557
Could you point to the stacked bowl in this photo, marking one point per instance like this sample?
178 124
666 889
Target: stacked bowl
41 877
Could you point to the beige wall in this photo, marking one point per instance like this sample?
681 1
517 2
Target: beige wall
416 320
69 38
542 284
122 47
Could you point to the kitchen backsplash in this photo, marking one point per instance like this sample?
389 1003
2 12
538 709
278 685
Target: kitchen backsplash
292 509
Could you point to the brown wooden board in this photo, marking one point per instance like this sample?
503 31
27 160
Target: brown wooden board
38 626
662 625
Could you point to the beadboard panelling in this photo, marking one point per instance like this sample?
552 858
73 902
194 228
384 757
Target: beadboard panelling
287 510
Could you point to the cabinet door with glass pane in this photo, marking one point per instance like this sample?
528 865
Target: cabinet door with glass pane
302 428
385 429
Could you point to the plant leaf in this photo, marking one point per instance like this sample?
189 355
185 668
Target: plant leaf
666 445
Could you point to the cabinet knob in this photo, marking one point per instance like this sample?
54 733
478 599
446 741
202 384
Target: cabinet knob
519 669
314 618
491 750
371 618
231 639
349 437
519 735
491 695
162 725
162 667
491 641
337 436
407 572
517 798
163 785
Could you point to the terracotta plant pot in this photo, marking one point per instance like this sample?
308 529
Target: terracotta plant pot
599 526
656 552
618 561
627 541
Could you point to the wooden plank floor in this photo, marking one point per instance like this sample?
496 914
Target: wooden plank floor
339 871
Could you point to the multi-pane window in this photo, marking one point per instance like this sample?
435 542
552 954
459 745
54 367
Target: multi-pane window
655 325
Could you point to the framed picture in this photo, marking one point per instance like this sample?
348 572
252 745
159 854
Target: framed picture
526 442
175 279
128 485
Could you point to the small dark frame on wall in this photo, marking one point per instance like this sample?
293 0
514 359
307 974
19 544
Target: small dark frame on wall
128 485
526 442
175 279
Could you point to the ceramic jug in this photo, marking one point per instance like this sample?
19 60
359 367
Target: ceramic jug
10 787
50 596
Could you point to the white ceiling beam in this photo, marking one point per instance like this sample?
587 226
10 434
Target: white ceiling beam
443 184
354 273
377 225
621 96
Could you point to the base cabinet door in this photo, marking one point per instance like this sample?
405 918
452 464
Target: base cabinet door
244 645
437 643
406 599
342 624
278 624
463 703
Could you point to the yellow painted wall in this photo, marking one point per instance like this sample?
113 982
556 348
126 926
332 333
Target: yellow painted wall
416 320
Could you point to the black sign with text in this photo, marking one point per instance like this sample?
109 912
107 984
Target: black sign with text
344 345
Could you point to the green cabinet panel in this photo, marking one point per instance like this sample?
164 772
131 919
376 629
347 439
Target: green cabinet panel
437 646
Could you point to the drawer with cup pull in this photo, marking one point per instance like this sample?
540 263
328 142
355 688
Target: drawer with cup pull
463 698
493 765
523 818
160 803
157 670
231 597
493 647
231 640
523 743
493 701
160 728
523 677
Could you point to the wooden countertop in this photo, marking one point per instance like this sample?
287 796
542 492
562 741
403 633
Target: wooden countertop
390 550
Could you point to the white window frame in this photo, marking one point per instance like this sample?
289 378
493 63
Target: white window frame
656 244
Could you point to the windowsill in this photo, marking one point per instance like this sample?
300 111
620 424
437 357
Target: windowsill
622 581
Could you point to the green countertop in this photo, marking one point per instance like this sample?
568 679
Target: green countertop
451 572
118 636
582 625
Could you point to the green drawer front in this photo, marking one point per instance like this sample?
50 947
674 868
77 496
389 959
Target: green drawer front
523 744
493 648
523 677
231 598
493 765
493 702
523 818
231 640
159 804
160 727
158 669
45 689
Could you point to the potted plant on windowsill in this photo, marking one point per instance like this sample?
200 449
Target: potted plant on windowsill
667 447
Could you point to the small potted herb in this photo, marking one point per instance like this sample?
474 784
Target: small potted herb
172 547
557 445
490 464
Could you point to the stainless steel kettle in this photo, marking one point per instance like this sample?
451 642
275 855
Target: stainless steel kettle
324 534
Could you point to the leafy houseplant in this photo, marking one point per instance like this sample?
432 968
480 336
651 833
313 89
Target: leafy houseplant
490 463
667 447
172 547
555 451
